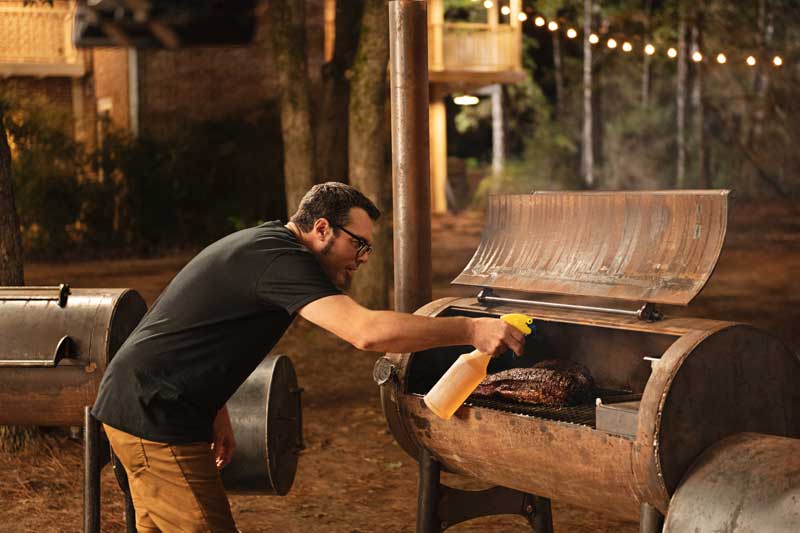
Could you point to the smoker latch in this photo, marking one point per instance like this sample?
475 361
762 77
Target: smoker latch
384 371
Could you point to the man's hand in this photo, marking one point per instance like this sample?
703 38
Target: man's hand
493 336
224 441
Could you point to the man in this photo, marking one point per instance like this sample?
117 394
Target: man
162 398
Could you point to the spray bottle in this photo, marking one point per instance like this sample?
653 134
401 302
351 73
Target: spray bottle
464 376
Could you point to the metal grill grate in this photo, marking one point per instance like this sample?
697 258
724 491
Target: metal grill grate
583 414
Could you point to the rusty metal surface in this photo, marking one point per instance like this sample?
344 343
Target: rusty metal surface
393 390
707 379
97 321
408 62
746 483
266 415
658 246
564 462
737 379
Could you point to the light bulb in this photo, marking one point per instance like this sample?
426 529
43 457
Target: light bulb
505 10
721 59
612 43
627 47
466 99
571 33
751 61
539 21
672 53
522 17
552 26
488 4
649 49
777 61
594 39
697 57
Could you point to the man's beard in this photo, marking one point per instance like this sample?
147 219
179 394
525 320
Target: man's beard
348 280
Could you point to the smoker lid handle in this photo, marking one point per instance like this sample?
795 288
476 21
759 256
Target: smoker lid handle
384 371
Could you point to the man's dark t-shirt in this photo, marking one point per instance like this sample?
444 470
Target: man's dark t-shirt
209 329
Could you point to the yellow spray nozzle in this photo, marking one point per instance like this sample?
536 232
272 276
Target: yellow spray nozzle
519 321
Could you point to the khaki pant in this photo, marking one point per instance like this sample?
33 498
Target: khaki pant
176 488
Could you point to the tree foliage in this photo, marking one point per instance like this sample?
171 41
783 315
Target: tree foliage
740 123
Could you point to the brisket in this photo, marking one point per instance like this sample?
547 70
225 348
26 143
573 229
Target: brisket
552 382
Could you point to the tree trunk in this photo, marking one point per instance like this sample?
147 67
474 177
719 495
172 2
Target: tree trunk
587 161
287 29
331 138
368 163
12 438
646 81
11 269
498 130
559 74
698 102
765 30
680 174
648 8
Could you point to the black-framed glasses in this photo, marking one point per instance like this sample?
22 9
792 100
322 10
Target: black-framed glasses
364 247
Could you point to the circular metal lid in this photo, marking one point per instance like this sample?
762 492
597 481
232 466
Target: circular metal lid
266 415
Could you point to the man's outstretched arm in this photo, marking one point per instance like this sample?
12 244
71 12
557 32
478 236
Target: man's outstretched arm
389 331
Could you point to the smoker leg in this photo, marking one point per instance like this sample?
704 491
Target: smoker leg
95 457
428 495
650 520
543 516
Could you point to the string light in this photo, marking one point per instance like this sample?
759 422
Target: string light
649 49
505 10
488 4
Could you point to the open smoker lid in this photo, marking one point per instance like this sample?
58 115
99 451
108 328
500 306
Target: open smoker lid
649 246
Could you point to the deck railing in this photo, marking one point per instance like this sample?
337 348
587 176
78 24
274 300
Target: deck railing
471 47
36 40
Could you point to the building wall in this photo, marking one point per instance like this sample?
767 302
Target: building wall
54 91
208 83
38 61
175 86
111 83
74 97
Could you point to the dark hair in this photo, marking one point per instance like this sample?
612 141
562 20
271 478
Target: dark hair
331 201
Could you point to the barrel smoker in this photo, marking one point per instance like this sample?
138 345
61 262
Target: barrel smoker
55 344
679 401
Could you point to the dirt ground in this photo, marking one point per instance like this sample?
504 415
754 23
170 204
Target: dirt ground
353 477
